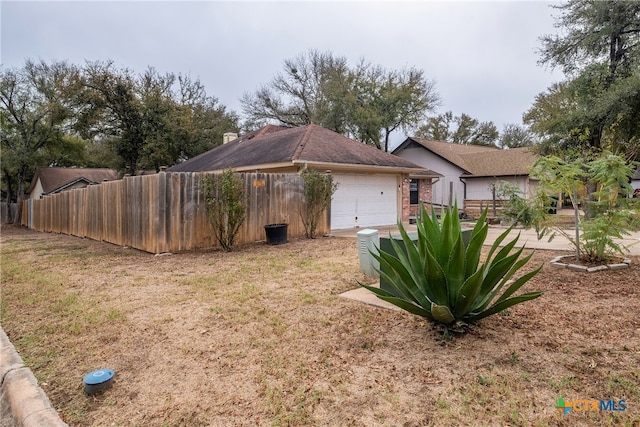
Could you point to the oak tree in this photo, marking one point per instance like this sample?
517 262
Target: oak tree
462 129
598 106
36 112
366 102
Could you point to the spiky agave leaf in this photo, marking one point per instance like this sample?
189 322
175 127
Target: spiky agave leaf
399 302
400 279
468 294
503 305
438 278
504 280
474 249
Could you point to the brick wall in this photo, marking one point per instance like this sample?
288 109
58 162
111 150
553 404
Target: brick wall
405 198
424 196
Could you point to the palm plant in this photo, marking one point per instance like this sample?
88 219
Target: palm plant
441 279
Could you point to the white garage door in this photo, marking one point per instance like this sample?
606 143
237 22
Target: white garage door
372 199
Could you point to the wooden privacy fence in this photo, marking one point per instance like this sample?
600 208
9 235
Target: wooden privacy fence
166 212
8 213
473 208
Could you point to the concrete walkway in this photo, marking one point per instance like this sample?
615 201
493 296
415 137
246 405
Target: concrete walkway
559 243
527 237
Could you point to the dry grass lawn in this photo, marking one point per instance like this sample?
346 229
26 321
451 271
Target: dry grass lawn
260 337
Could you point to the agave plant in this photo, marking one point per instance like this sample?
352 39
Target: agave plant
440 278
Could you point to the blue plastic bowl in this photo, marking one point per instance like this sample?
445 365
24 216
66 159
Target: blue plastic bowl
97 381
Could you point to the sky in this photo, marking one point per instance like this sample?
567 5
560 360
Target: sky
481 55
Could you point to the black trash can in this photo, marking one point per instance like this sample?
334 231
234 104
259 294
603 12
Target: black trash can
276 233
553 206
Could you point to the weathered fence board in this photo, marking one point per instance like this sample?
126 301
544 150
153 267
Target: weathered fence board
9 213
473 208
166 212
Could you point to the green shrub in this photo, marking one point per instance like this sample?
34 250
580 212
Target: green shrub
610 214
442 280
516 209
224 198
613 216
318 190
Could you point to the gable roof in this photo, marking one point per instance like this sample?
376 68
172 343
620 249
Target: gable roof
261 132
514 161
55 179
274 146
476 160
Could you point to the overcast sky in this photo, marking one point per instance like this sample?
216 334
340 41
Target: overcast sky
482 55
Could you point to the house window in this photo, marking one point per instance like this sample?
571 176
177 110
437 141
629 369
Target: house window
413 192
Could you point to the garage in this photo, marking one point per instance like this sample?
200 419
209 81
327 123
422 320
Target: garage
364 200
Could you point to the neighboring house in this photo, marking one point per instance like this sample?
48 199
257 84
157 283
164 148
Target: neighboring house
373 186
469 171
635 182
55 180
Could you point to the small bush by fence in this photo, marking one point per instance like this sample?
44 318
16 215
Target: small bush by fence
166 212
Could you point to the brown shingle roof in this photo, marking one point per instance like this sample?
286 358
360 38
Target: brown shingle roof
55 178
261 132
275 145
479 161
514 161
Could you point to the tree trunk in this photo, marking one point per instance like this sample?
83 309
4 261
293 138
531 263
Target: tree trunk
576 213
386 140
8 182
591 189
22 176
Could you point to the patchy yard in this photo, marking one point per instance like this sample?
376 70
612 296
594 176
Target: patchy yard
260 337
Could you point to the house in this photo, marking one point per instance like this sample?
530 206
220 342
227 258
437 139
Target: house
373 186
635 182
55 180
469 171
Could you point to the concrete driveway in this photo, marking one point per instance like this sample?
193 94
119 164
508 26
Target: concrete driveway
527 237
